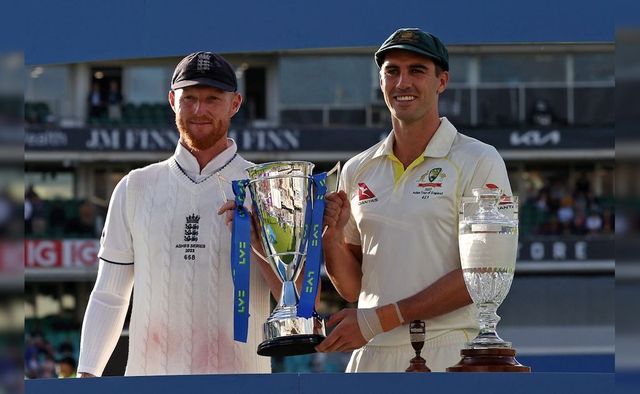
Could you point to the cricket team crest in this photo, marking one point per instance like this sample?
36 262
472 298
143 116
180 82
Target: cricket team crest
433 178
433 174
191 228
191 235
431 183
204 62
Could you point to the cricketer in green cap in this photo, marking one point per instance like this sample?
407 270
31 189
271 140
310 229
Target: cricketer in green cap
418 41
384 201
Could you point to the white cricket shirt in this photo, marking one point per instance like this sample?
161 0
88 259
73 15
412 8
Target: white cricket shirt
407 222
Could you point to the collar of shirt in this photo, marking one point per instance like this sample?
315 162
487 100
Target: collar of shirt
439 145
190 165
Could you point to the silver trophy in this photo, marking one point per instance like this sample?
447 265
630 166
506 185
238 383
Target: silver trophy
488 242
281 197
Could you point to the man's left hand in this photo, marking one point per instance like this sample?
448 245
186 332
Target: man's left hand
346 336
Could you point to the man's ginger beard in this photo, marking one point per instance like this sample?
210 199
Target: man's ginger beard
206 141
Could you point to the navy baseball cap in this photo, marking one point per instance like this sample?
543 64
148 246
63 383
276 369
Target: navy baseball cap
418 41
204 68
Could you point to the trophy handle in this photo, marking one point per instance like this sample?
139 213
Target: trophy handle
259 254
333 183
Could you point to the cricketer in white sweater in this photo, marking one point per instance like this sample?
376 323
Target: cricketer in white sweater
163 233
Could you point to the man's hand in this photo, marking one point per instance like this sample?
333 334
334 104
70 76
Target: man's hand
336 215
342 260
268 274
346 336
228 209
86 375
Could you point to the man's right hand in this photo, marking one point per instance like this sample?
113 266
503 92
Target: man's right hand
86 375
228 209
336 215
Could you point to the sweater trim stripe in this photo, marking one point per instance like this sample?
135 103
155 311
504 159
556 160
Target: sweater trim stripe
114 262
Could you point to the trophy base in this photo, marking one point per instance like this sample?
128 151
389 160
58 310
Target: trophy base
418 364
291 335
489 360
290 346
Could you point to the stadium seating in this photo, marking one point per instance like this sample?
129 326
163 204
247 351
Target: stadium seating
36 112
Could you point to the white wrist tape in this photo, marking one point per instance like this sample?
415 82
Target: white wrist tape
373 321
395 304
369 323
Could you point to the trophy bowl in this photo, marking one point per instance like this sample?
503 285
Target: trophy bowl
281 194
488 242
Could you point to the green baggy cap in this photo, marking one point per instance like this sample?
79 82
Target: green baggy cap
418 41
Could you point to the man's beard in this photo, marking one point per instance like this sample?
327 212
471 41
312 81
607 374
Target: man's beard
202 142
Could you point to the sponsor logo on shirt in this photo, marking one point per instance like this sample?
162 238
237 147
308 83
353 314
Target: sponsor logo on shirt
365 195
430 183
491 186
504 199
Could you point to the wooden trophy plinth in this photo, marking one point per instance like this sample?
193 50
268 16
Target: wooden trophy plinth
489 360
418 364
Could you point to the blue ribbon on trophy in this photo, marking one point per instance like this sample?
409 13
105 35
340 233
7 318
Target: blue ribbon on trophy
240 255
306 305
